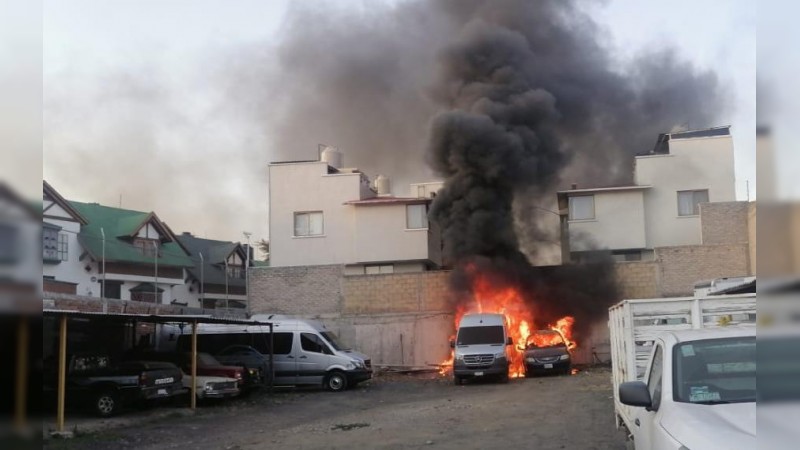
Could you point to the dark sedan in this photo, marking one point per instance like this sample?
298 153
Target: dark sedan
546 351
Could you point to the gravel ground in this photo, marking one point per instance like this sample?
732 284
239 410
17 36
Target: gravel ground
391 411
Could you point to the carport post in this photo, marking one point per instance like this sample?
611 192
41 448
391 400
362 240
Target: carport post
271 352
21 388
62 372
194 365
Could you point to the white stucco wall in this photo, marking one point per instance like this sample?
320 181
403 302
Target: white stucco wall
381 235
308 187
618 223
692 164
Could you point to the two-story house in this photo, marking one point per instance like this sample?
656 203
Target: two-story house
323 213
218 276
661 208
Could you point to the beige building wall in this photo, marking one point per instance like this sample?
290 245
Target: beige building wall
380 234
306 187
692 164
618 223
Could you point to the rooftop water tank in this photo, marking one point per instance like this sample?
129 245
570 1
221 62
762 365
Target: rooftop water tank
332 156
383 185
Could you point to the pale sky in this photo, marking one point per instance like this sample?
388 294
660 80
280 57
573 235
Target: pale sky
174 50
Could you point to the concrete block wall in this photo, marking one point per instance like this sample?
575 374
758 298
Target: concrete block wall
396 293
682 267
300 290
724 223
637 279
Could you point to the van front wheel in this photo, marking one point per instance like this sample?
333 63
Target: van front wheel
335 381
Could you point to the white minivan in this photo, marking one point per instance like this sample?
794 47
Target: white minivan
480 348
304 352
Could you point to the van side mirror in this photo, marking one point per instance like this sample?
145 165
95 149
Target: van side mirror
509 341
635 393
452 343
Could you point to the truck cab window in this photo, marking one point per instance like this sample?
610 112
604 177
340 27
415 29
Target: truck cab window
654 379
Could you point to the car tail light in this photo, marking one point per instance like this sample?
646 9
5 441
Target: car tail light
143 378
238 375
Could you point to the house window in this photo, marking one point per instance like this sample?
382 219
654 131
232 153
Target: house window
689 202
63 247
416 216
581 207
308 223
379 269
235 272
50 238
147 246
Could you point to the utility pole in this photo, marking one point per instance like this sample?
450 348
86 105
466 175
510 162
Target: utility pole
103 290
247 235
202 281
155 258
226 284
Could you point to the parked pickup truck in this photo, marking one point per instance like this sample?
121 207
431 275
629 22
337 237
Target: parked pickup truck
93 380
684 372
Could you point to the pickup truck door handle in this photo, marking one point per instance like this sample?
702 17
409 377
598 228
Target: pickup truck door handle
303 357
637 422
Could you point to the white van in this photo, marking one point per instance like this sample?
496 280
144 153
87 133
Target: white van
305 352
480 348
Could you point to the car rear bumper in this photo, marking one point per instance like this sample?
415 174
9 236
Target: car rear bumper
167 390
222 393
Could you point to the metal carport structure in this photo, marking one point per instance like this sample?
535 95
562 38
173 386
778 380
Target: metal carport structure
123 318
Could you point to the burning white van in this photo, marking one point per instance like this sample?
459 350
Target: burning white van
481 348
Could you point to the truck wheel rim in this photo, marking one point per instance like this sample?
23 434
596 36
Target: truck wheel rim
336 382
105 404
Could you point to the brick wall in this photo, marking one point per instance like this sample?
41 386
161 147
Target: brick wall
396 293
637 279
682 267
724 223
302 290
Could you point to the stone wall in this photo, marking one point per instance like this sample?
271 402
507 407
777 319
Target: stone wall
301 290
637 279
724 223
681 267
396 293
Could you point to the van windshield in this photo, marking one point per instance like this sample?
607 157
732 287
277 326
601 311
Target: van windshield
480 335
333 340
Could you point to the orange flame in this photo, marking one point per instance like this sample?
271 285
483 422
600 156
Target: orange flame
488 298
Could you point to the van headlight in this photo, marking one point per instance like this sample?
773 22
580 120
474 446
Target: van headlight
564 357
459 357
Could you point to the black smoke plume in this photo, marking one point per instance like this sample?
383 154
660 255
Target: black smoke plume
525 89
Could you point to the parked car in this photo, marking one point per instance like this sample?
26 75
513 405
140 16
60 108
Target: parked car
94 381
480 348
207 365
546 351
247 357
209 387
304 352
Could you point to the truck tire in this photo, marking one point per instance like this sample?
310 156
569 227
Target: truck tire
335 381
106 403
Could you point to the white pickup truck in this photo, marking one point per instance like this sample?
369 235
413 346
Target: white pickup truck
684 372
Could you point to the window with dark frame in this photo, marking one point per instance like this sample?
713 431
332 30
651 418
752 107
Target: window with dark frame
417 216
63 247
50 244
146 246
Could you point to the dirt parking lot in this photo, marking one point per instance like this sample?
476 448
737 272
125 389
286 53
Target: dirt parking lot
392 411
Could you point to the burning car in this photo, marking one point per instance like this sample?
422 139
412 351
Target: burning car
546 351
480 348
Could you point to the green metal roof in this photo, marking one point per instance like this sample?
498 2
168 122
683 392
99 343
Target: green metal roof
118 223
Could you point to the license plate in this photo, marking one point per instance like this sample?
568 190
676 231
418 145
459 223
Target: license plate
164 380
478 374
548 366
162 392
